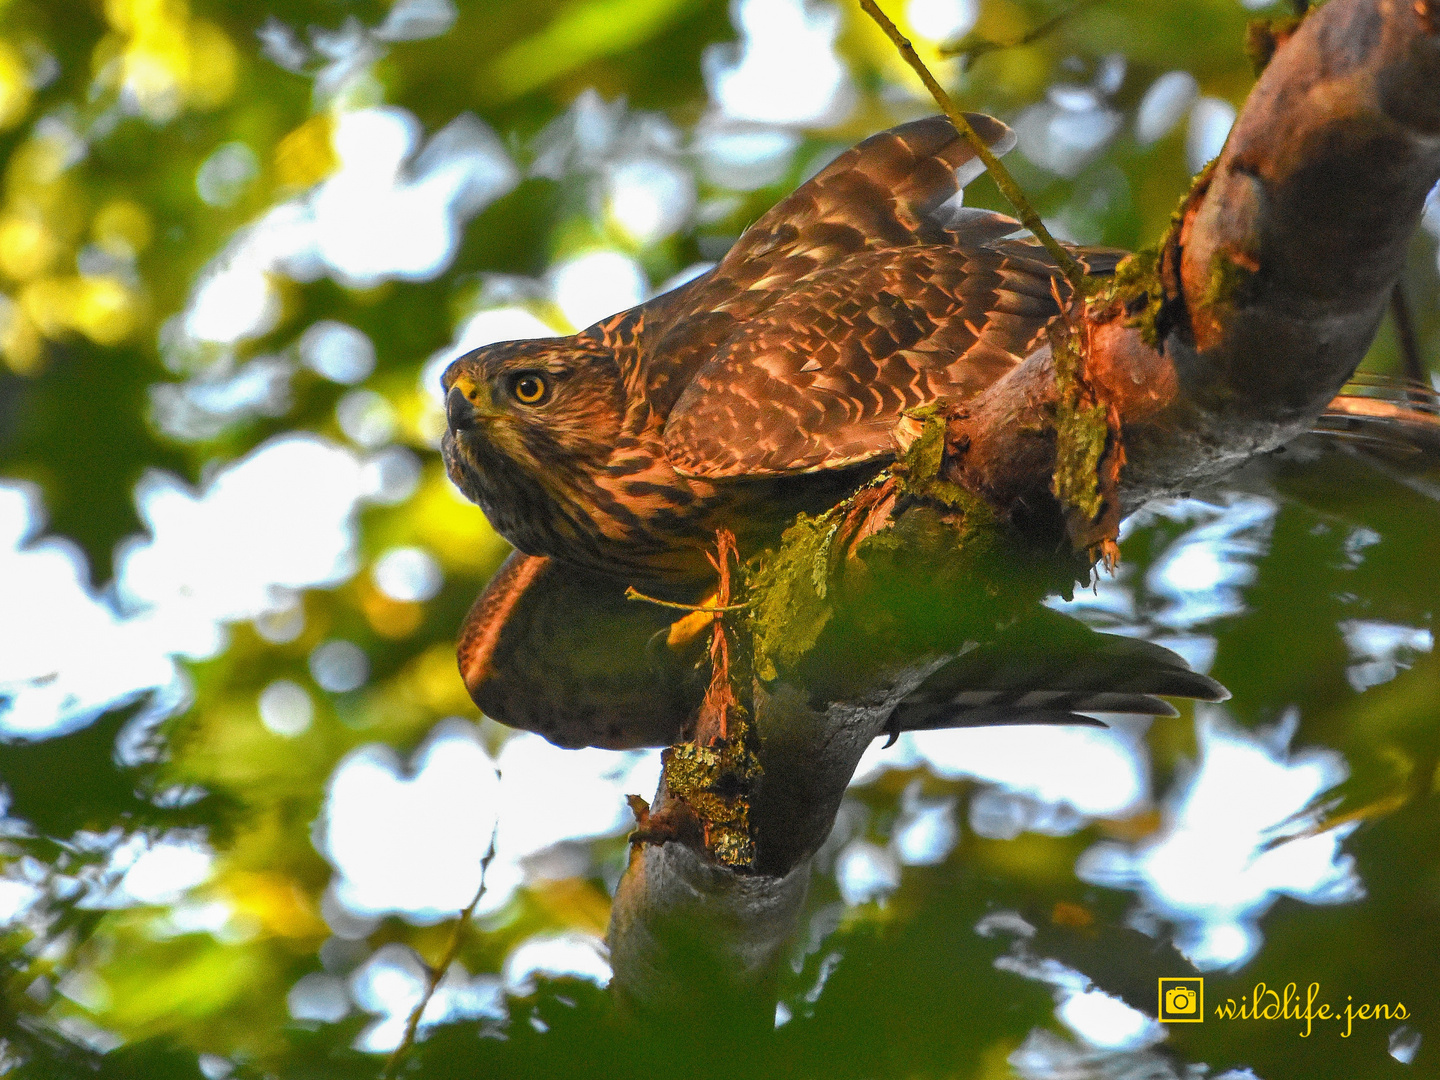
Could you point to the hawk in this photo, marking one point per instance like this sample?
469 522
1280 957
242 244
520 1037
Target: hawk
772 385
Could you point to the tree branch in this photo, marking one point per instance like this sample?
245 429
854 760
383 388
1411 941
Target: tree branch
1229 341
1270 286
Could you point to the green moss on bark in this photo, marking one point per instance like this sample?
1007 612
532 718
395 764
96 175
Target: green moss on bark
793 589
1227 279
1080 432
1138 290
919 470
788 590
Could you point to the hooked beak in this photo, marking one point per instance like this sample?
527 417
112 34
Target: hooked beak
467 402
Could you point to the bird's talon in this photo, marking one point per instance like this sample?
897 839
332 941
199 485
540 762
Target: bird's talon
892 726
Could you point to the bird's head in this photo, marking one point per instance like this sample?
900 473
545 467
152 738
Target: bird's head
545 407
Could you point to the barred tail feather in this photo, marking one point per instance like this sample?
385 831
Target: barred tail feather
1050 669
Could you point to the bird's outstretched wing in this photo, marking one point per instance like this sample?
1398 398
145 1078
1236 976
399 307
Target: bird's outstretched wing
893 190
1390 417
867 292
819 379
557 650
1047 668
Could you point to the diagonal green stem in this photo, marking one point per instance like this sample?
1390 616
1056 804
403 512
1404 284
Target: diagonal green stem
412 1023
1073 271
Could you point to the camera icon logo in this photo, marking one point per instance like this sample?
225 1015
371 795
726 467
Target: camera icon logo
1182 1001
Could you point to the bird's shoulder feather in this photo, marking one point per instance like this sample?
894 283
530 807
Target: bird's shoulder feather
819 379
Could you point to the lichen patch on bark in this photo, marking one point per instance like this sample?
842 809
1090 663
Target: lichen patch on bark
1137 290
793 588
715 782
921 469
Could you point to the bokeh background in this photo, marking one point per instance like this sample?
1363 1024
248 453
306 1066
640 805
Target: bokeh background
244 791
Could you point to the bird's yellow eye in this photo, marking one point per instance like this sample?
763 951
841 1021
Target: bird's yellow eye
530 388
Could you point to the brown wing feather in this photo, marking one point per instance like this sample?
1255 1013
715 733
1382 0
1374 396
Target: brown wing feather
886 192
892 190
531 658
819 379
866 292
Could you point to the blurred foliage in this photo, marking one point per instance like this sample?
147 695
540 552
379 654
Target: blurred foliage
109 109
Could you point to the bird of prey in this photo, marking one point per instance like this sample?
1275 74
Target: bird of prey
771 385
775 383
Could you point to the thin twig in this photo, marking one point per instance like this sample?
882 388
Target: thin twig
968 54
632 593
1073 271
436 973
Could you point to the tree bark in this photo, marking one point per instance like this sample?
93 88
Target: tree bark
1274 280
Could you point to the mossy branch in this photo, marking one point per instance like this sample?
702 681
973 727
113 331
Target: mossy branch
1347 104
